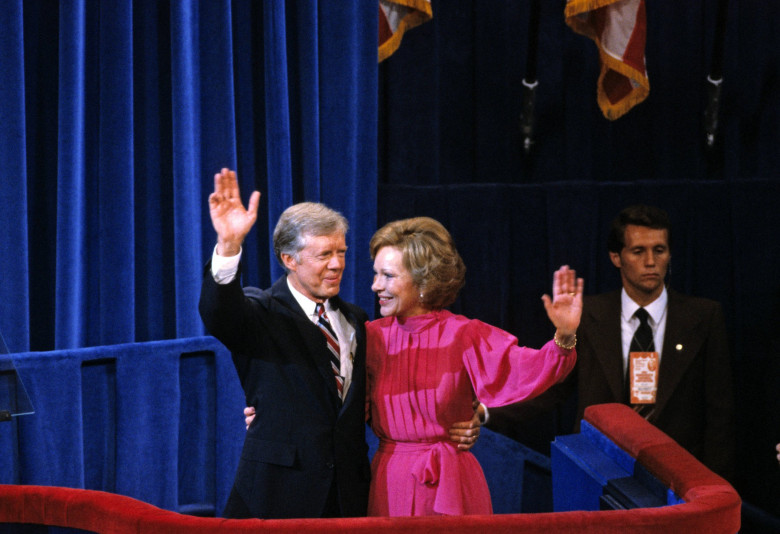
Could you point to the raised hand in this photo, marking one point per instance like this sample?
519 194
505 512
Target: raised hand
565 307
230 219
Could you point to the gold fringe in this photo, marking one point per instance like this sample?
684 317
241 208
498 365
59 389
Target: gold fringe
577 19
415 18
615 111
577 7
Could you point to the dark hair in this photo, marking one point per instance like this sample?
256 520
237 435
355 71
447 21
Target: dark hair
429 254
639 215
301 221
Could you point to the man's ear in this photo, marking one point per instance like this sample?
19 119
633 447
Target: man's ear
615 258
289 262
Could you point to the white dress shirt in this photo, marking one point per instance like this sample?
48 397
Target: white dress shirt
628 323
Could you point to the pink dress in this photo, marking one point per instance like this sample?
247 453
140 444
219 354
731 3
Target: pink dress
423 373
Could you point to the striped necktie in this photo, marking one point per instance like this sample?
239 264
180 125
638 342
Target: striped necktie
333 345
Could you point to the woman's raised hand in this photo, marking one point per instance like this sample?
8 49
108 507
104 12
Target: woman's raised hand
565 307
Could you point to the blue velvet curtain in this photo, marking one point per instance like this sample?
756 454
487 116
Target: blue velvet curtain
116 117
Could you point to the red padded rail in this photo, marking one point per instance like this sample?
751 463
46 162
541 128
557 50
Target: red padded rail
711 506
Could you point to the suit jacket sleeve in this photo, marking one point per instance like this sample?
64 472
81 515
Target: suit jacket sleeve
226 312
519 420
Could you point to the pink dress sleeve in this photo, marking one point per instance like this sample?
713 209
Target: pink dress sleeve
502 372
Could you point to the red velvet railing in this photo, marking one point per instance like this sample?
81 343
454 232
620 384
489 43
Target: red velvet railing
711 504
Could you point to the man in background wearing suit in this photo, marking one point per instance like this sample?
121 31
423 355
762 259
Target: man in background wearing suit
299 351
693 391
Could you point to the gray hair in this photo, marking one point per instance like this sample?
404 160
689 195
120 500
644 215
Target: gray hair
302 220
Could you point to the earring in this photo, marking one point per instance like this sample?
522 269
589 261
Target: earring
421 296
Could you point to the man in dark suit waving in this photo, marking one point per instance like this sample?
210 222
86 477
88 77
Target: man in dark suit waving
691 396
305 455
300 355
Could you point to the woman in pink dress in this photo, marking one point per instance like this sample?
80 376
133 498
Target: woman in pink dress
426 366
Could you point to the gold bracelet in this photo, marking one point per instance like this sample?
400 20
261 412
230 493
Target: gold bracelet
561 345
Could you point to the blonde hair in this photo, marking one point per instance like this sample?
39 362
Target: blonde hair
429 254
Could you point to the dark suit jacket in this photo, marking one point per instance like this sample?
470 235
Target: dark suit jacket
302 436
695 399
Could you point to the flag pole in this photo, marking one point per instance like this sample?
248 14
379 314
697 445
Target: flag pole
530 80
715 77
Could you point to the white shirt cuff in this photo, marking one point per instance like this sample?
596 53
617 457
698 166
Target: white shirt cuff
224 268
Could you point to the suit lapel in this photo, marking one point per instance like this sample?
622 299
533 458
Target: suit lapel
604 312
681 344
310 335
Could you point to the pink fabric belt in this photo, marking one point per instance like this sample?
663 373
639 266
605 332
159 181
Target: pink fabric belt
437 467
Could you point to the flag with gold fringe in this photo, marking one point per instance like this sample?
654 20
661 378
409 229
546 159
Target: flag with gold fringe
395 18
619 29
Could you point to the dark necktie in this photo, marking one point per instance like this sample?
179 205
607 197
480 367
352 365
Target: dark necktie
333 346
641 342
643 337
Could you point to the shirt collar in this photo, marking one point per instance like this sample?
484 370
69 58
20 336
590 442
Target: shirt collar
306 303
655 309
